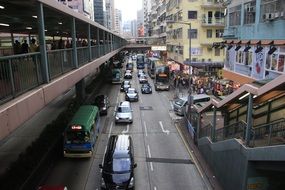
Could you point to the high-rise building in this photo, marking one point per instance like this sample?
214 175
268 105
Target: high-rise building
255 40
147 10
84 7
110 14
99 11
140 23
194 46
118 21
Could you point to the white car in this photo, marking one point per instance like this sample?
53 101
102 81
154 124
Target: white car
143 79
124 113
132 95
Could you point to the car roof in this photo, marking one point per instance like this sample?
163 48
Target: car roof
125 104
200 96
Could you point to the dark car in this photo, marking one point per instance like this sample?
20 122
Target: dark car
118 164
125 85
130 66
102 102
146 89
128 75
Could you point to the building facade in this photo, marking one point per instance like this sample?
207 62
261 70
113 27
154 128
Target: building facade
84 7
147 10
118 21
110 14
255 40
99 11
194 27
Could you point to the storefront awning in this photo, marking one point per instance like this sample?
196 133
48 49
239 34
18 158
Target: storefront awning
204 64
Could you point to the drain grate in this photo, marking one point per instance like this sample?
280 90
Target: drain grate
146 108
169 160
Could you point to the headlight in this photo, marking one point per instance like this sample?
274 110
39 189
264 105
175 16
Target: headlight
103 183
117 117
131 184
104 108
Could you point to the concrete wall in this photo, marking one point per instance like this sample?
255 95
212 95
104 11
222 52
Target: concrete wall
230 160
22 108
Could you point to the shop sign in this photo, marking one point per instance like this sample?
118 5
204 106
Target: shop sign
158 48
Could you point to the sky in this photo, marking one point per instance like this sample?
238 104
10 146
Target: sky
129 8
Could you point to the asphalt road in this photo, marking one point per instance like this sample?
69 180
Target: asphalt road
164 162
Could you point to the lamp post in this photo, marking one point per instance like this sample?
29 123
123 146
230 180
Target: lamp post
189 80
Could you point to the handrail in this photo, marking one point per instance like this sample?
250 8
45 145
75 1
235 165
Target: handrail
235 130
18 56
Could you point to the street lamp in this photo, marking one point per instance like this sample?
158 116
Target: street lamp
189 82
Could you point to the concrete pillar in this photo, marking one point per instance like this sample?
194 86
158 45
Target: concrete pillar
198 126
213 134
80 90
43 50
89 42
98 42
74 48
249 119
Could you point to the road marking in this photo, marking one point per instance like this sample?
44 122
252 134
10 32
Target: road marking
145 128
141 101
163 130
154 188
189 152
117 101
143 114
149 155
110 129
126 131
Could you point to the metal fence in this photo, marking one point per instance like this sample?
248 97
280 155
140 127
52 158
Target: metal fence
206 131
23 72
235 130
269 134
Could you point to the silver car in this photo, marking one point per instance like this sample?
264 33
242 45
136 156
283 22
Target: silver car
124 113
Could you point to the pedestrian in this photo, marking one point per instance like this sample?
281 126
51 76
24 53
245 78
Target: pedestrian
25 47
34 47
17 47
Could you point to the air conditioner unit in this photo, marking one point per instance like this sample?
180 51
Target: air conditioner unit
282 14
276 15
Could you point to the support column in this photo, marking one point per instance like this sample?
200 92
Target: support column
89 42
112 47
104 42
42 43
74 48
80 90
198 127
213 134
249 119
98 43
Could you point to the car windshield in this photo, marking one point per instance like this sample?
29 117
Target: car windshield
124 109
180 102
131 91
121 165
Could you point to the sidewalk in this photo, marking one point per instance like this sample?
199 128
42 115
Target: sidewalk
201 161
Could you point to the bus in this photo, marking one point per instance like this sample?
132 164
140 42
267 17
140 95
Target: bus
81 133
116 76
160 72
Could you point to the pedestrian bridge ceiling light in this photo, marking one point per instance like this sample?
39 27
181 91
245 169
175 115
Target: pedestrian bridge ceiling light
2 7
29 28
3 24
60 23
35 16
244 96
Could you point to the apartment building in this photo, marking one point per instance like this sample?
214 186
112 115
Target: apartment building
255 40
84 7
192 28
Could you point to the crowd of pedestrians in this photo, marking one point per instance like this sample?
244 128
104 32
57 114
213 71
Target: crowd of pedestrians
24 47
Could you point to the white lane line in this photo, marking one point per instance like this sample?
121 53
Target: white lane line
154 188
141 100
149 155
126 131
110 129
117 101
143 114
144 124
163 130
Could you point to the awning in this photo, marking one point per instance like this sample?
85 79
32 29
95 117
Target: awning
204 64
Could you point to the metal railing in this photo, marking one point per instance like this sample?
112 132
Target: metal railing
23 72
269 134
206 131
235 130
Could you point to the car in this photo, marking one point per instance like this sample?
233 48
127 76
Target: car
124 113
117 169
130 66
143 79
128 75
141 72
132 95
125 85
102 102
146 88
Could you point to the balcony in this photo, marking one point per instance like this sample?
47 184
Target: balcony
218 22
212 4
231 33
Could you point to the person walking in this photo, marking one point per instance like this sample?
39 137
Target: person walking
25 47
17 47
33 47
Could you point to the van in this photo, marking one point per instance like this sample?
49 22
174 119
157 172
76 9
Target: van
180 104
118 165
124 113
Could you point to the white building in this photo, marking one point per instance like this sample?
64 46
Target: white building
118 21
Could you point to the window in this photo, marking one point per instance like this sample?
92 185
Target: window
209 33
194 33
235 15
271 9
217 52
249 12
192 14
219 33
